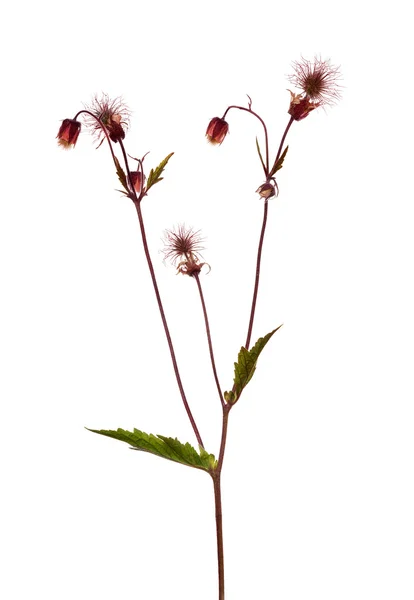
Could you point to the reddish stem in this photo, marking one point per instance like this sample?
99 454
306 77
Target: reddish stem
257 278
260 247
210 345
216 475
249 110
87 112
136 200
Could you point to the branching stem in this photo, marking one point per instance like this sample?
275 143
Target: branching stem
260 246
137 200
249 110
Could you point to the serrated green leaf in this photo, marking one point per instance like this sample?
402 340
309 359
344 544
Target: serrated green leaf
165 447
155 174
245 366
121 175
260 156
279 163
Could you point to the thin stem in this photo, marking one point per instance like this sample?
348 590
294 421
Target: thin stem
210 345
87 112
249 110
219 532
260 246
159 301
257 278
216 475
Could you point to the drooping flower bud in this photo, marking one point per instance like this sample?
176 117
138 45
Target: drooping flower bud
266 190
217 130
68 133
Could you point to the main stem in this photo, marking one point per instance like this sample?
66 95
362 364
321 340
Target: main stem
219 531
216 475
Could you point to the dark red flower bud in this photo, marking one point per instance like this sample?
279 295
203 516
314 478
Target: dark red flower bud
300 107
217 130
68 133
137 180
266 190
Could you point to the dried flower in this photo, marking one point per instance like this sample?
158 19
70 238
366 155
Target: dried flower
113 114
300 106
266 190
68 133
318 81
182 247
217 130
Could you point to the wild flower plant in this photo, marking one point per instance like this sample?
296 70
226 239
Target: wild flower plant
317 82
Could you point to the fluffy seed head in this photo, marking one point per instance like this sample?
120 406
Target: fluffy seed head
317 79
182 247
113 114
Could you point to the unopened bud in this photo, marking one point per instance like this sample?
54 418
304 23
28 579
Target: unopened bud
217 130
68 133
137 180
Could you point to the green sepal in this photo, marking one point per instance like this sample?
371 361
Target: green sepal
229 397
121 175
155 174
260 156
166 447
245 366
279 164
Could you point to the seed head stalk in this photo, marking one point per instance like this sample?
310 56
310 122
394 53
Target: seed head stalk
210 344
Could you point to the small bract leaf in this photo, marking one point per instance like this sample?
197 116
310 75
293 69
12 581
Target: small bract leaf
155 174
121 175
279 163
260 156
245 366
165 447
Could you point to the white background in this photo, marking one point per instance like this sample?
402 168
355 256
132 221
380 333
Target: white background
318 479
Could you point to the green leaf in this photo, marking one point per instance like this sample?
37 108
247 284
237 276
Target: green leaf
279 164
260 156
155 174
121 175
165 447
245 366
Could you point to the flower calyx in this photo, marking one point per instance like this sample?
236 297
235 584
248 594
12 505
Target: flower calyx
268 190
